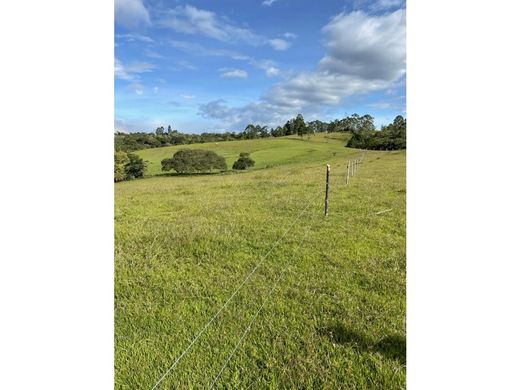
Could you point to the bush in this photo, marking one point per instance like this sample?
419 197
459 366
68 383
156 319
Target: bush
243 162
120 160
135 167
194 161
128 166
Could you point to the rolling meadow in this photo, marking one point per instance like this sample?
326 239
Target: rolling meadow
316 302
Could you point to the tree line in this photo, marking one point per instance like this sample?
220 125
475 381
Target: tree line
129 142
363 132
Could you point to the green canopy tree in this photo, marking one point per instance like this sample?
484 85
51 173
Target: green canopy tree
194 161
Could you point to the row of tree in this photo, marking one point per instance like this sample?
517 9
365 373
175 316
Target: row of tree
362 128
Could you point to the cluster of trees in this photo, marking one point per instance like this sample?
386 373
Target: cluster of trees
361 127
194 161
128 166
244 161
130 142
200 161
390 137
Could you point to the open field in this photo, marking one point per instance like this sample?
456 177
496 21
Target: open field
266 152
184 244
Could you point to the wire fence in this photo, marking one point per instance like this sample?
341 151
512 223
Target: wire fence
265 300
246 279
352 168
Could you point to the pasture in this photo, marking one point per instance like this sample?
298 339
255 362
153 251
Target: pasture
326 303
266 152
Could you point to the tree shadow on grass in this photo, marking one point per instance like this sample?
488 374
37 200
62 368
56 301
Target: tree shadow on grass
391 346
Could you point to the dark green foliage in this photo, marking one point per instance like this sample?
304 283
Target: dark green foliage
355 124
243 162
194 161
135 167
300 126
317 126
254 132
137 141
390 137
128 166
120 160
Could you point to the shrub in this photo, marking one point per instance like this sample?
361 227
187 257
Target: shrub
120 160
135 167
243 162
193 161
128 166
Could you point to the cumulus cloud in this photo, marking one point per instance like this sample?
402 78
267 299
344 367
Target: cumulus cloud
238 117
131 13
279 44
368 47
364 53
290 35
233 73
268 2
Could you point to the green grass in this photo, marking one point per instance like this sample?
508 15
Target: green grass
265 152
184 244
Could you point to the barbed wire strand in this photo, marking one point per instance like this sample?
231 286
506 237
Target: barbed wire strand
266 299
263 258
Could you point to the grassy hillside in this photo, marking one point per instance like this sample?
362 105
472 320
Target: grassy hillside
184 244
266 152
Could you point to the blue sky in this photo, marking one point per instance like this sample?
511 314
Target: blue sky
219 65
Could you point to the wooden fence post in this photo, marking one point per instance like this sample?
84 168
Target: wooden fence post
327 191
347 173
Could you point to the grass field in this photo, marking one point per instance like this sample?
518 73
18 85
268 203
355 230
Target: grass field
265 152
183 245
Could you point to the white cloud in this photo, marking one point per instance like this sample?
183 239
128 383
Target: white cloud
271 71
381 5
132 37
189 97
137 87
268 2
279 44
131 71
131 13
233 73
290 35
364 53
268 66
184 65
191 20
369 47
152 54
